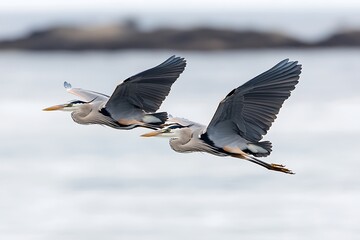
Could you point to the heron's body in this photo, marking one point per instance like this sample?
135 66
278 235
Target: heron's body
241 119
134 102
96 113
192 137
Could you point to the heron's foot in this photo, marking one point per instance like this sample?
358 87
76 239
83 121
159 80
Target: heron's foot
280 168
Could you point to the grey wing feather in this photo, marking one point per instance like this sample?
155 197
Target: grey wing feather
248 111
184 122
86 95
146 90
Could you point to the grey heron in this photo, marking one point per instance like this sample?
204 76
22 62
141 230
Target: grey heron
241 119
133 103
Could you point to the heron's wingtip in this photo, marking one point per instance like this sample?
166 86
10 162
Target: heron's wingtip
67 85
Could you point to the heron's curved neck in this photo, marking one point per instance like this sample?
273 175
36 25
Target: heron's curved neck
80 115
190 141
179 144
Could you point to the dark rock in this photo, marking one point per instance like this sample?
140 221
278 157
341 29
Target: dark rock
342 39
128 36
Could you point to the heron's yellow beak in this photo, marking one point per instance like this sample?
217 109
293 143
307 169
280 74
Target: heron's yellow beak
53 108
152 134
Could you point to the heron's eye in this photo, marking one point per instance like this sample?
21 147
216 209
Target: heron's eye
167 130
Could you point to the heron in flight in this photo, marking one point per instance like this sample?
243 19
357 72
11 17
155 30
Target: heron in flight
133 103
241 119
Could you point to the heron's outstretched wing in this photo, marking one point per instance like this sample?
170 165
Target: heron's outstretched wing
249 110
146 90
86 95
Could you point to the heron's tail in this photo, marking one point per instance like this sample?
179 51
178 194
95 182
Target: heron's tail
154 120
259 149
160 117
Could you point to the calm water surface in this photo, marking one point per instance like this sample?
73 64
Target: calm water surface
60 180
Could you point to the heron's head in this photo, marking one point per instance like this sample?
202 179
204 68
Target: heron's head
171 131
70 106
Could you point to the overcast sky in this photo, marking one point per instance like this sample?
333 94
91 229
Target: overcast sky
180 5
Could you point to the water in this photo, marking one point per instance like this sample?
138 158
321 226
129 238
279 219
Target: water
61 180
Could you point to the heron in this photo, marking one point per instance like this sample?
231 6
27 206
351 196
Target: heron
242 118
133 103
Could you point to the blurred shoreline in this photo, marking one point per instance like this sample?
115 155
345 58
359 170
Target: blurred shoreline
128 35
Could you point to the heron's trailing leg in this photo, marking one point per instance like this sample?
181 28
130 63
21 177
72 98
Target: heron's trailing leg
238 153
271 166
